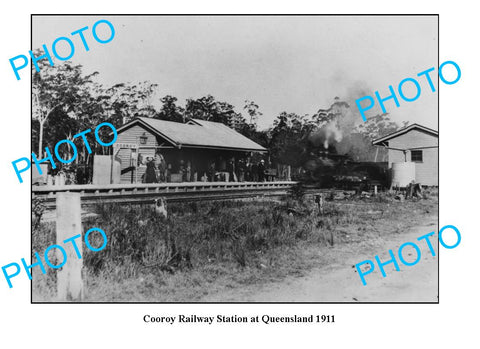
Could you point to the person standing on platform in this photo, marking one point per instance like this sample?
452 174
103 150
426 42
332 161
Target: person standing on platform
168 173
241 170
211 172
248 172
261 171
188 172
255 172
160 164
150 175
182 171
231 170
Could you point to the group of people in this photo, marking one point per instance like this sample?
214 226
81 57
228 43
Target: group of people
238 172
158 171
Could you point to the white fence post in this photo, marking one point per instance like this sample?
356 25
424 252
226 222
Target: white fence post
69 224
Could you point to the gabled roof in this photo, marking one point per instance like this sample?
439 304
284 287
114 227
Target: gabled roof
196 134
404 130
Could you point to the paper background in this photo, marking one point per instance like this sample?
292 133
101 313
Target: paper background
452 323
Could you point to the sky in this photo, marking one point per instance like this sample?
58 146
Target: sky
283 63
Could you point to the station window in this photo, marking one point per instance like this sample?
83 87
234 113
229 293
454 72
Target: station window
417 155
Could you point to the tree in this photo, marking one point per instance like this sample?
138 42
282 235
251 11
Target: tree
252 110
376 127
337 111
170 111
207 108
56 89
204 108
128 101
289 139
73 102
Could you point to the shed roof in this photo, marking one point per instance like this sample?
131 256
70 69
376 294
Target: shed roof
404 130
196 134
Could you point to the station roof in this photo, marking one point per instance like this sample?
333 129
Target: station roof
196 134
380 141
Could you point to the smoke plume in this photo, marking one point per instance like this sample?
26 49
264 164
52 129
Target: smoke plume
337 126
327 135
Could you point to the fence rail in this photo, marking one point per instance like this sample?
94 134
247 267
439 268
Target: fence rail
146 193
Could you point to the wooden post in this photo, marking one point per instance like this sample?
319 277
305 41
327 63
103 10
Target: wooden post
111 165
320 202
69 224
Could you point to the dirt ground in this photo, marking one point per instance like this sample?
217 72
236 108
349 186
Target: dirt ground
340 282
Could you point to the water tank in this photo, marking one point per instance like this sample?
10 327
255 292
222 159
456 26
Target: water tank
403 173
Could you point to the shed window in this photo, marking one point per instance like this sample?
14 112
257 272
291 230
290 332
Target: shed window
417 155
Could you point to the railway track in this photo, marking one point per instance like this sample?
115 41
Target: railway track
173 192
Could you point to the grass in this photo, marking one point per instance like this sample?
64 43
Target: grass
208 247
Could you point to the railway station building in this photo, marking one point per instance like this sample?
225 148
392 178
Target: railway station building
188 151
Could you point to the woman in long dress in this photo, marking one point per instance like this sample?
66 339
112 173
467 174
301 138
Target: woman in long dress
150 175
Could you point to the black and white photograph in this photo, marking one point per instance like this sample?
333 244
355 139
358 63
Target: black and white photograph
239 174
235 158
